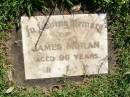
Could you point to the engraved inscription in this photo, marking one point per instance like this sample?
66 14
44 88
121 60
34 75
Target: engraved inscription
69 45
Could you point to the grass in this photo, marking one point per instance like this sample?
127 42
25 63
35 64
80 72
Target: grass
116 84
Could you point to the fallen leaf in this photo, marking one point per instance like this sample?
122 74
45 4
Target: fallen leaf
9 90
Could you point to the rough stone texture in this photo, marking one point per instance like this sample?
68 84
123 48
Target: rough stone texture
70 45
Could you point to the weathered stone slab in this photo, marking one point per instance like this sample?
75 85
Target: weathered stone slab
69 45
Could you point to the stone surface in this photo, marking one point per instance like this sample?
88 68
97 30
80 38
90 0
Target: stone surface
69 45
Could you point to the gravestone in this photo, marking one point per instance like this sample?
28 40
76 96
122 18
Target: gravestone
64 45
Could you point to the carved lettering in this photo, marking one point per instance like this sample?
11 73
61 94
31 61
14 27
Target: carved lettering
45 59
64 57
49 47
30 30
83 45
85 56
